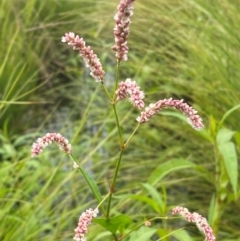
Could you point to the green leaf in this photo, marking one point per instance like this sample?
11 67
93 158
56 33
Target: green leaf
205 133
182 235
142 234
223 182
113 224
231 163
211 210
162 170
237 138
149 201
92 184
228 113
224 135
155 196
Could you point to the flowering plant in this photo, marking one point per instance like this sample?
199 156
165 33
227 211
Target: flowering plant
124 89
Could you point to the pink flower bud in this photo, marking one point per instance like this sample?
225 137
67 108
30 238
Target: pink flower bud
148 223
131 88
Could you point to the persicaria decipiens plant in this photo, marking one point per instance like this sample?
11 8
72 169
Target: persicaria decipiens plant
124 89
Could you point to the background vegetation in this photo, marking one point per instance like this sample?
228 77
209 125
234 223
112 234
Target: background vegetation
183 49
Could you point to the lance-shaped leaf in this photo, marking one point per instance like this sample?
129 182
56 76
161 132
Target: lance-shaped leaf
113 224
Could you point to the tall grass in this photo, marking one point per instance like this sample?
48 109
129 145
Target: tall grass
184 49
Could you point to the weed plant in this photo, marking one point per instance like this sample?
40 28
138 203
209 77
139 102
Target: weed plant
184 49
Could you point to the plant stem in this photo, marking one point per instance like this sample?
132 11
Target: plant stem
114 103
120 139
130 137
118 126
107 92
117 80
123 146
141 224
113 183
99 205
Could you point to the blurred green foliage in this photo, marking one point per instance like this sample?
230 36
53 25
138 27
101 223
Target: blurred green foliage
183 49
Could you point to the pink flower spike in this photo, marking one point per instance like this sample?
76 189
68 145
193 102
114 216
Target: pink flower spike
43 142
121 29
199 220
83 223
193 119
148 223
91 60
129 87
